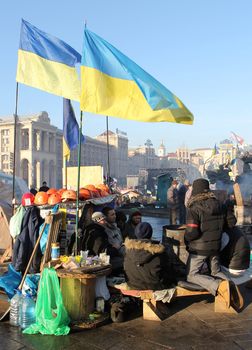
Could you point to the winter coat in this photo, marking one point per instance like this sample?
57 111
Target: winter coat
236 254
146 265
26 241
115 236
204 224
95 240
172 198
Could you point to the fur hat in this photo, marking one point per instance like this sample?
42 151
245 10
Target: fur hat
98 216
200 186
143 230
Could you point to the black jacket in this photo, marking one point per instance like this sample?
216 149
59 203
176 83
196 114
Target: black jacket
146 265
236 254
95 240
205 222
26 241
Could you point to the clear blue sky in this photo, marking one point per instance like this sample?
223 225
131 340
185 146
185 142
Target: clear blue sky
201 50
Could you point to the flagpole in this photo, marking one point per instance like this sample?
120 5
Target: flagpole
64 171
14 150
78 187
108 155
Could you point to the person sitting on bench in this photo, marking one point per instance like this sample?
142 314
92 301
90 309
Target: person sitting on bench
146 264
95 240
205 223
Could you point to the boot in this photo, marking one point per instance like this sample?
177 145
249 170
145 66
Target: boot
224 291
237 301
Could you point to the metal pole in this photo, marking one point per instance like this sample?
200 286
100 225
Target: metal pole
108 165
14 149
78 187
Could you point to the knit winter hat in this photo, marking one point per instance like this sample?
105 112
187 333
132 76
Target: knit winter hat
135 212
200 186
143 230
98 216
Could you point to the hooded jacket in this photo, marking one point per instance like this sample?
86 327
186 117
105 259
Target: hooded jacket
204 224
146 265
26 241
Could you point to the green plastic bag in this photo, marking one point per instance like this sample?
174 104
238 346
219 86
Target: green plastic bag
51 315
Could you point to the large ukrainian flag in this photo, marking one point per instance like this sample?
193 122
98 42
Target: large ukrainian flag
47 63
114 85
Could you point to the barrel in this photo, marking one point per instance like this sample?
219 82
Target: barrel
173 239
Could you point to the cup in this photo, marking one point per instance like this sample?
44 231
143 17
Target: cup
84 254
107 259
102 257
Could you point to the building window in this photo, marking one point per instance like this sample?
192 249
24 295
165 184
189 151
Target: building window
25 139
5 140
5 132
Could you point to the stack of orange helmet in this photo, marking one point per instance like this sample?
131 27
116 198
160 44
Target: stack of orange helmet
54 198
94 192
84 194
27 199
60 191
68 195
104 189
41 198
51 191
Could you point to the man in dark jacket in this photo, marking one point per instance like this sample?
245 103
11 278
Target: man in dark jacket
134 219
95 239
146 264
173 202
181 199
205 222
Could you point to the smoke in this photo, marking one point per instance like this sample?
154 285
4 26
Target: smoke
245 184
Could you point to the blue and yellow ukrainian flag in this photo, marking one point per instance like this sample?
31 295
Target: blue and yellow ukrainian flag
114 85
70 129
47 63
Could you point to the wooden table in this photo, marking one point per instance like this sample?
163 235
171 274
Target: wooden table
78 289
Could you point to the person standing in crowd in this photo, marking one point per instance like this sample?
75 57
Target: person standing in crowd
44 187
173 202
146 264
188 195
205 222
181 199
134 219
33 190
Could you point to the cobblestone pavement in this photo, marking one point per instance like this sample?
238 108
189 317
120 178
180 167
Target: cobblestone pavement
192 324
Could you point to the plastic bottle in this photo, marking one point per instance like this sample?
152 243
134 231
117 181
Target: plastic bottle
22 297
28 312
14 308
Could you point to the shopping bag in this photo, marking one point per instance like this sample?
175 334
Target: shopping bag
16 221
51 315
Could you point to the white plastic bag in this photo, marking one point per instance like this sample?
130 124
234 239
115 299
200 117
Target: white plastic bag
16 221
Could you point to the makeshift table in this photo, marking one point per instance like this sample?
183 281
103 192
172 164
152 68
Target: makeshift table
78 289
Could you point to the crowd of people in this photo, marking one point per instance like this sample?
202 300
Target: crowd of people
217 248
218 251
